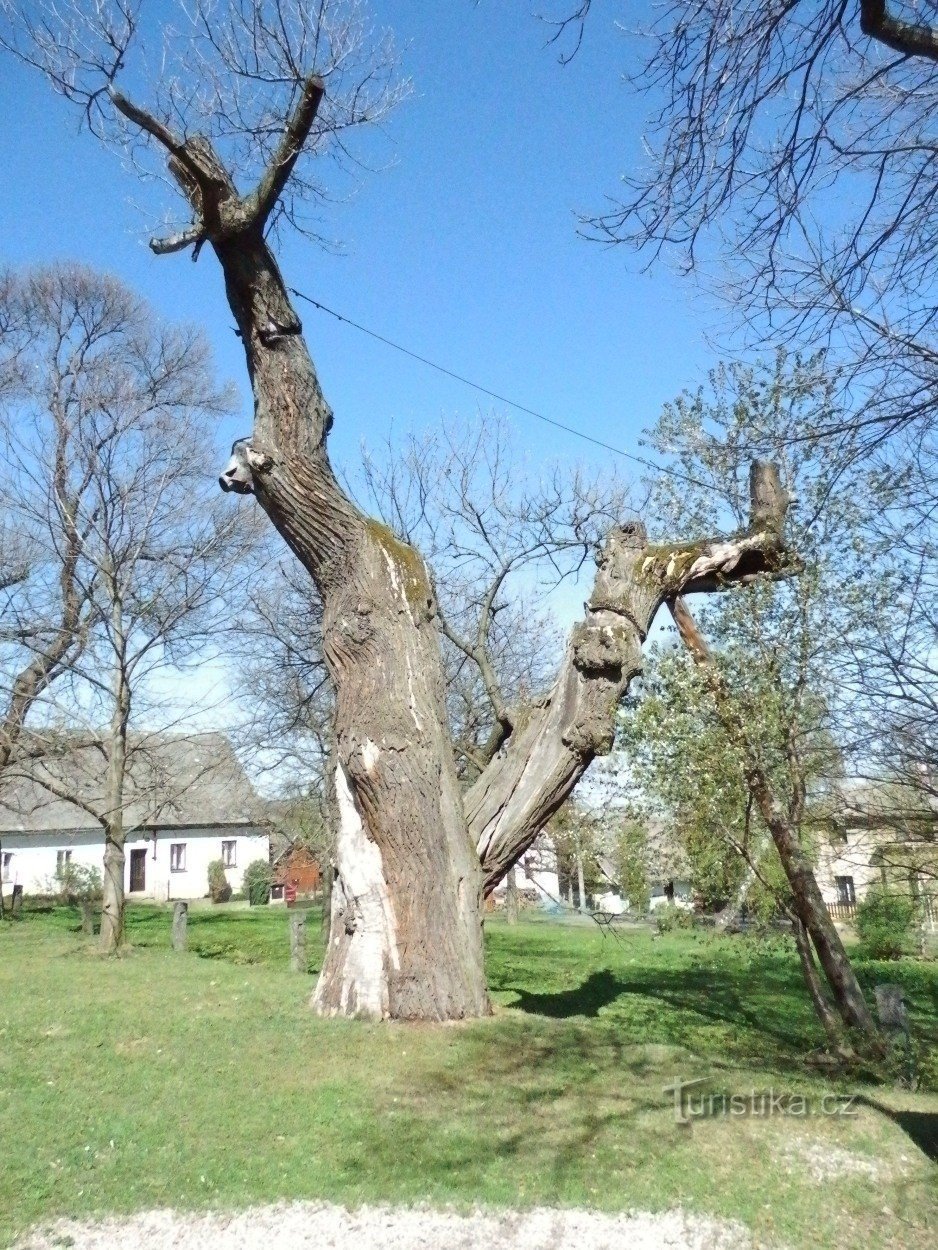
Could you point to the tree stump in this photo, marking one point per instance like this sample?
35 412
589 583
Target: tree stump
87 918
298 942
180 925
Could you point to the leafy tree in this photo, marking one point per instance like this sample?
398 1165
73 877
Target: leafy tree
737 739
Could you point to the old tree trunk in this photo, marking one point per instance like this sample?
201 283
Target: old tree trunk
413 855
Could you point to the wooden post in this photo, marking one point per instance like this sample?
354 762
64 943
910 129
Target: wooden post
180 923
87 918
16 901
298 942
511 897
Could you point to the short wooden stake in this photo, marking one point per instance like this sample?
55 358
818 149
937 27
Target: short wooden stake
87 918
180 924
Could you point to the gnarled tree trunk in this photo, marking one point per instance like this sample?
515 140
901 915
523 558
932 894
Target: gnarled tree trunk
405 934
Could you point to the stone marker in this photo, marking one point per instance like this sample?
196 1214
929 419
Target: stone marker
180 924
298 941
87 918
890 1007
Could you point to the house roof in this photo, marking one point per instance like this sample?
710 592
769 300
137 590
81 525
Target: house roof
173 781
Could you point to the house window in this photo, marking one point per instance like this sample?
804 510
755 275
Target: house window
845 892
177 857
839 836
229 853
7 865
62 858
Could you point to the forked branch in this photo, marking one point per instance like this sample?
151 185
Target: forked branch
529 779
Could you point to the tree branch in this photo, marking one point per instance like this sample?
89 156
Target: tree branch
508 806
177 242
905 37
264 199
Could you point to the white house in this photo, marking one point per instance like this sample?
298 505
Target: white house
189 804
877 833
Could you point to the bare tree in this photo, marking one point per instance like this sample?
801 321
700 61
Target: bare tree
795 144
114 431
261 85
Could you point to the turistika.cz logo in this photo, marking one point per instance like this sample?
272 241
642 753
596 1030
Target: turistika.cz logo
692 1102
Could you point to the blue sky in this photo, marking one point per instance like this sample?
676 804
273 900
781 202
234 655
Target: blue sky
465 249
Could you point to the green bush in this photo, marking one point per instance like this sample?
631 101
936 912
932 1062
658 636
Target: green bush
884 922
218 886
78 883
669 917
257 880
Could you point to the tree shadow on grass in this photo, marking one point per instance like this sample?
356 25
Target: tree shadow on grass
587 999
686 991
921 1127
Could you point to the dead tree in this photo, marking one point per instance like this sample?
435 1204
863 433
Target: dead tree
413 854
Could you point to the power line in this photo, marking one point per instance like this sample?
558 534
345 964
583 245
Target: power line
502 399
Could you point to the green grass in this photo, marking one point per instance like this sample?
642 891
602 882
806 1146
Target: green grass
202 1080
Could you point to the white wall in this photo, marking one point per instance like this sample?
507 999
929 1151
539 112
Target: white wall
34 858
853 860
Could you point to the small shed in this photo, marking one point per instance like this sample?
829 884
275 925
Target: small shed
296 874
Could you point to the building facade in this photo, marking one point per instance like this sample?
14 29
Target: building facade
188 802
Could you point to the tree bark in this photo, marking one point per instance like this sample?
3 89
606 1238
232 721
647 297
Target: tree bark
812 912
822 1008
112 900
580 881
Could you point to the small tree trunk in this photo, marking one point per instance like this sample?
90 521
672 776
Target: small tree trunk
511 897
580 882
112 895
298 942
112 908
822 1007
813 914
180 934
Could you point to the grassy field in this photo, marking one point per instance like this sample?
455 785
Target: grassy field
202 1080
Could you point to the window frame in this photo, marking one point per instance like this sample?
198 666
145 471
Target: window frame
63 857
846 891
177 857
231 862
6 866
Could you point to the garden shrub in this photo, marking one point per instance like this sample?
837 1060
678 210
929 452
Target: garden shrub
884 923
218 886
78 883
669 917
257 881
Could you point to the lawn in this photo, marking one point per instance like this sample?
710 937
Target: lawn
202 1080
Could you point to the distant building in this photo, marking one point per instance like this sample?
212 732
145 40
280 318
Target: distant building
877 833
297 874
188 802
